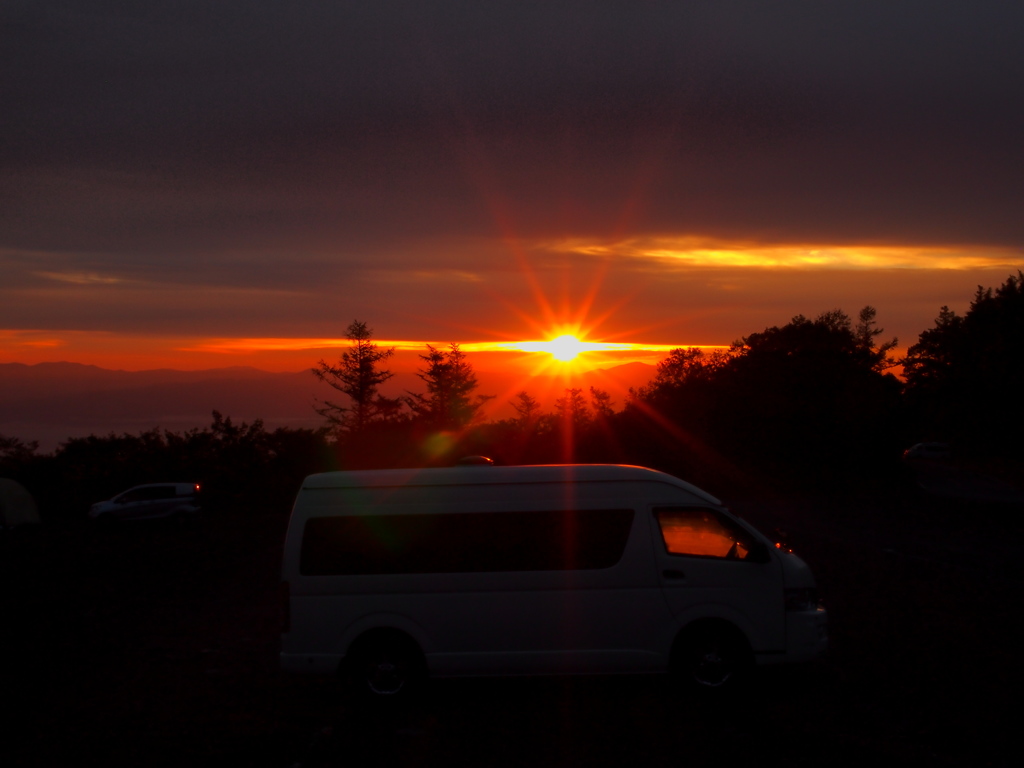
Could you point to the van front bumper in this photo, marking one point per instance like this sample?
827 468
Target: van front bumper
806 635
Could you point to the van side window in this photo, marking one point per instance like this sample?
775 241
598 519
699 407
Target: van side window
701 532
473 542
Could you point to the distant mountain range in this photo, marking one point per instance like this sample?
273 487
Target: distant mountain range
51 402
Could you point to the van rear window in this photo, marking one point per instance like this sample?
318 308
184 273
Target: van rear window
472 542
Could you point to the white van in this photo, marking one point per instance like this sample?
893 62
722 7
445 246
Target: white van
393 575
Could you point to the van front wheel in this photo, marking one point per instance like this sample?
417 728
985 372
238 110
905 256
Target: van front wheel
386 666
711 658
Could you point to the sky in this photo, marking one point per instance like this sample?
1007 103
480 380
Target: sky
200 184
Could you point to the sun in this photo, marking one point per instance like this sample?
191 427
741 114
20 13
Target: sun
565 347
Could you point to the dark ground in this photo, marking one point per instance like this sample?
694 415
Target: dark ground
156 645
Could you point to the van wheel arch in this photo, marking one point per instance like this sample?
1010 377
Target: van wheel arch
711 654
383 664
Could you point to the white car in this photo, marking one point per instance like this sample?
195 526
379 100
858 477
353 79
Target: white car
143 502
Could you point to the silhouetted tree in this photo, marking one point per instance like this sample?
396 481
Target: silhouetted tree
965 375
240 466
932 359
527 409
866 333
14 451
681 369
572 409
812 396
570 418
670 422
601 402
358 375
449 402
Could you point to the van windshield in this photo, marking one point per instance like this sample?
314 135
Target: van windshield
702 532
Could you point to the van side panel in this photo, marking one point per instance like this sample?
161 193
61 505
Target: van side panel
497 622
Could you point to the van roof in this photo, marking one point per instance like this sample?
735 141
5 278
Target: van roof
490 475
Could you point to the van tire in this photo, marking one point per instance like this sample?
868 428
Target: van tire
711 657
385 666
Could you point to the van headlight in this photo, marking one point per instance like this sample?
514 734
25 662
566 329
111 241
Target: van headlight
802 600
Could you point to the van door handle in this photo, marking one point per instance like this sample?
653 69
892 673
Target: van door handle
672 573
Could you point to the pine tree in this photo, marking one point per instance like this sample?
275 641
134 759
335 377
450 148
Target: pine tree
449 402
527 409
357 375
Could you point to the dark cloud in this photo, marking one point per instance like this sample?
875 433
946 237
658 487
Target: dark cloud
266 145
254 94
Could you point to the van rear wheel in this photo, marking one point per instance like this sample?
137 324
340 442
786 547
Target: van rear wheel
386 667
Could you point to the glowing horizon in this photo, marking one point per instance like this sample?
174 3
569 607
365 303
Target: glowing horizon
554 347
106 349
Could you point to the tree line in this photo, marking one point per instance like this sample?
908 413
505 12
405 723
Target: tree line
814 401
815 398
